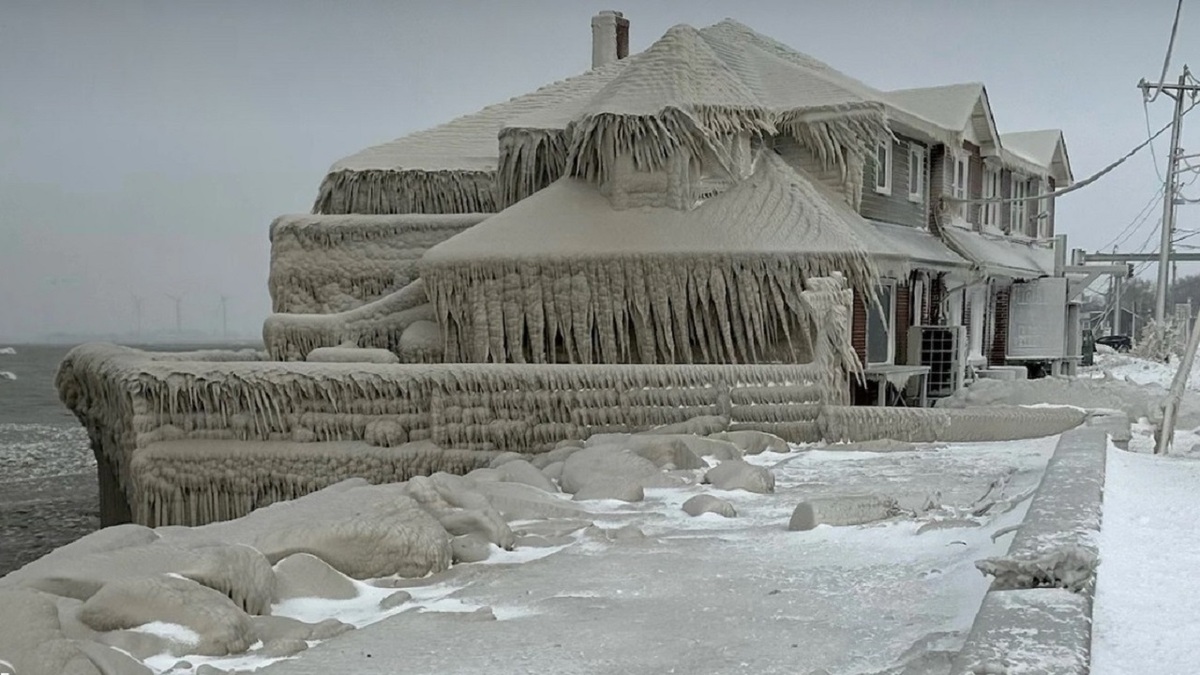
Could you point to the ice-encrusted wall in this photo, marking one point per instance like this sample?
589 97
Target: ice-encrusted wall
322 264
135 406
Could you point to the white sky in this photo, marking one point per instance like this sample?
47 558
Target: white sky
146 146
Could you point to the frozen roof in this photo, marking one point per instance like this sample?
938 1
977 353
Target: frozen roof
775 211
727 77
1045 148
1002 255
950 106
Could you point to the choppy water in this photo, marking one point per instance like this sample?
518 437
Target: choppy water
39 437
48 493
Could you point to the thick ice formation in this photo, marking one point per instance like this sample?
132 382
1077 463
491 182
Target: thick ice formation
377 324
328 264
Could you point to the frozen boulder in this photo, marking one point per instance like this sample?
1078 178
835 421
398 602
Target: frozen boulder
346 354
383 538
30 638
612 466
304 575
421 342
840 510
521 471
219 626
487 524
469 548
699 426
611 488
752 442
709 504
736 474
553 471
240 572
518 501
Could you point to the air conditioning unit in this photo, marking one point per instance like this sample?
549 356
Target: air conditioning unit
943 349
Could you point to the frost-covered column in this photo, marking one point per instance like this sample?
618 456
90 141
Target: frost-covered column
978 297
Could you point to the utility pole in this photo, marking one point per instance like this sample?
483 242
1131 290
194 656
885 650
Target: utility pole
1175 91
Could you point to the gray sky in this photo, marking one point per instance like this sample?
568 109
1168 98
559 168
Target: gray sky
146 146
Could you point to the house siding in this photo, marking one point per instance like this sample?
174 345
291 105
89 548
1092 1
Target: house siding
799 156
897 207
998 353
940 174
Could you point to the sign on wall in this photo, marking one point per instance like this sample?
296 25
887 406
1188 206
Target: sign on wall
1037 319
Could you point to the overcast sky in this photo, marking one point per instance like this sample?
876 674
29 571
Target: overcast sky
146 146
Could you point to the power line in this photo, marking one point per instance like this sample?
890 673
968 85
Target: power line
1140 219
1077 186
1167 58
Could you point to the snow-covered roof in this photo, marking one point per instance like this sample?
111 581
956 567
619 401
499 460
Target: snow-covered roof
1002 256
775 211
951 107
1045 148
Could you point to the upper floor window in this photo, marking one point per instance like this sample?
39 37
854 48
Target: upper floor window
883 167
961 170
1019 212
1036 207
916 172
991 190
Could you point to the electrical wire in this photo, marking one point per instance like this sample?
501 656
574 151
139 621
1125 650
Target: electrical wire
1140 219
1167 59
1072 188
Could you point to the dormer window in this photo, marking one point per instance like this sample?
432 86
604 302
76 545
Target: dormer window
916 173
961 171
883 167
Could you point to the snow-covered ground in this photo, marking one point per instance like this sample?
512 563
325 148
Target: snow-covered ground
1141 371
1146 617
715 595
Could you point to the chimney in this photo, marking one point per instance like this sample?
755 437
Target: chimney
610 38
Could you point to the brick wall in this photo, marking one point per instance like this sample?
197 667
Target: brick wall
996 356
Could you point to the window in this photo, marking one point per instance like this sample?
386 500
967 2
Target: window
1017 212
916 172
961 169
881 348
991 190
1041 215
883 167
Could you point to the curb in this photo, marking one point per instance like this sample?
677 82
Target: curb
1037 617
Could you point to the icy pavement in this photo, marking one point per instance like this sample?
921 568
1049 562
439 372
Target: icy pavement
1147 591
716 595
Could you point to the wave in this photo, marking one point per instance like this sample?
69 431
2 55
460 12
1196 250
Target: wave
7 350
6 375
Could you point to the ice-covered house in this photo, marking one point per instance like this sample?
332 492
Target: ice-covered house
718 227
667 207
